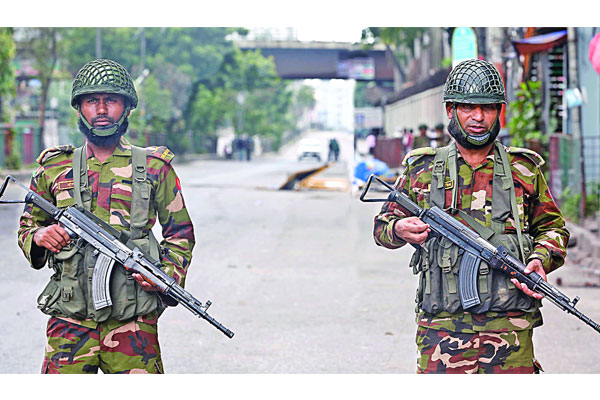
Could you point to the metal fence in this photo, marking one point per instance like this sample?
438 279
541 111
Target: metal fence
573 161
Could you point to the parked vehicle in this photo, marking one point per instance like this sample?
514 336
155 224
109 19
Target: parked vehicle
309 148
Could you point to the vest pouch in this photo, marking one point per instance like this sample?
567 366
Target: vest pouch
146 302
46 301
439 279
504 295
71 302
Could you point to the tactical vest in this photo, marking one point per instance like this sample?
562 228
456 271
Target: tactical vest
439 262
69 291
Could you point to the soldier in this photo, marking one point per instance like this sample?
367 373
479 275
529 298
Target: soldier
517 211
127 187
421 140
439 138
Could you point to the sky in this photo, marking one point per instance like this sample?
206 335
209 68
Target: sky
316 19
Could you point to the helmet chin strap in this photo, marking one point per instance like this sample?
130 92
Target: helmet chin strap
472 141
105 130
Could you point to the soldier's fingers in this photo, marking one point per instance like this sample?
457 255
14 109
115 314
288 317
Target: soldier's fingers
52 246
526 290
416 225
56 239
419 238
64 235
50 242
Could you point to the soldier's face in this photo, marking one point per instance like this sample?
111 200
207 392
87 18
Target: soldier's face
102 109
476 119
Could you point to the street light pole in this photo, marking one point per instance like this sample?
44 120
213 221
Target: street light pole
98 42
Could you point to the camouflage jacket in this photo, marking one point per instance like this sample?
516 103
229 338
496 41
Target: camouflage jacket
110 183
539 217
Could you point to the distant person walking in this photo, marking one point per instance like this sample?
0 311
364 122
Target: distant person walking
371 142
334 150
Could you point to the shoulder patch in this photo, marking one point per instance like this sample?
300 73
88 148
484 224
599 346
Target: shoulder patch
52 152
160 152
532 155
415 154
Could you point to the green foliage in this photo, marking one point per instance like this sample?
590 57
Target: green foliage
154 108
526 114
13 160
195 76
397 37
305 97
399 42
246 94
571 203
7 70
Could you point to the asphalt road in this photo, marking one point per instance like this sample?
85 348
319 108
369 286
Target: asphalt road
295 274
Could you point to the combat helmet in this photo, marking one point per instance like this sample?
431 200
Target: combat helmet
104 76
474 82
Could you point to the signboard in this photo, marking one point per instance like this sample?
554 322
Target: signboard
594 52
362 68
464 45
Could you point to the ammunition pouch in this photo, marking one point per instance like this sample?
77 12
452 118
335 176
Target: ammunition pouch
438 284
69 292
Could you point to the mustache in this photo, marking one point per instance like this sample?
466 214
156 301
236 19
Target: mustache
107 118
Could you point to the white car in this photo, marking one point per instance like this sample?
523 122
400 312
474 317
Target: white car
309 148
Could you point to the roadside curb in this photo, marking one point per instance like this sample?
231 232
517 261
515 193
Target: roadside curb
586 240
22 175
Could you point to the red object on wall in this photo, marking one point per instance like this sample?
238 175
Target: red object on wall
390 151
28 146
503 111
594 52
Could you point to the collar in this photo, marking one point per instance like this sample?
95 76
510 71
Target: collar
122 149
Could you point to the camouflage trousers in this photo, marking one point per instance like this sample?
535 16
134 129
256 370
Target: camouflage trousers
111 346
446 352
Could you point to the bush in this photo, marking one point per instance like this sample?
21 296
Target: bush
571 203
13 161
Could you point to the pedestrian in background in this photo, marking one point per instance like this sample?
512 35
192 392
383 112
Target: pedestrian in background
421 139
334 150
439 137
372 141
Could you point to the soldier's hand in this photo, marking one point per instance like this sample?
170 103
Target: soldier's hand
411 230
53 238
147 286
534 265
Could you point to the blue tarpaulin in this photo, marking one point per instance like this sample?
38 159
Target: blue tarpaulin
364 169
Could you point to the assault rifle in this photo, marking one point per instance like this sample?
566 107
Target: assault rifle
477 249
113 246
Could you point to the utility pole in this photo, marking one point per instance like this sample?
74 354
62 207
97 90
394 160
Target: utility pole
575 117
142 94
98 43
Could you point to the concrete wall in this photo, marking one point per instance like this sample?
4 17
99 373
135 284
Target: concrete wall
425 107
589 82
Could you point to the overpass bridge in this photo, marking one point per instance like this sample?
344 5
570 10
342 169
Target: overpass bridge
324 60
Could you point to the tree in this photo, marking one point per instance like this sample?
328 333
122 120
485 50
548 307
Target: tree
41 44
153 119
7 70
245 93
398 41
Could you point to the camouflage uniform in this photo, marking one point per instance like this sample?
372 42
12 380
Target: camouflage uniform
492 341
114 346
420 142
